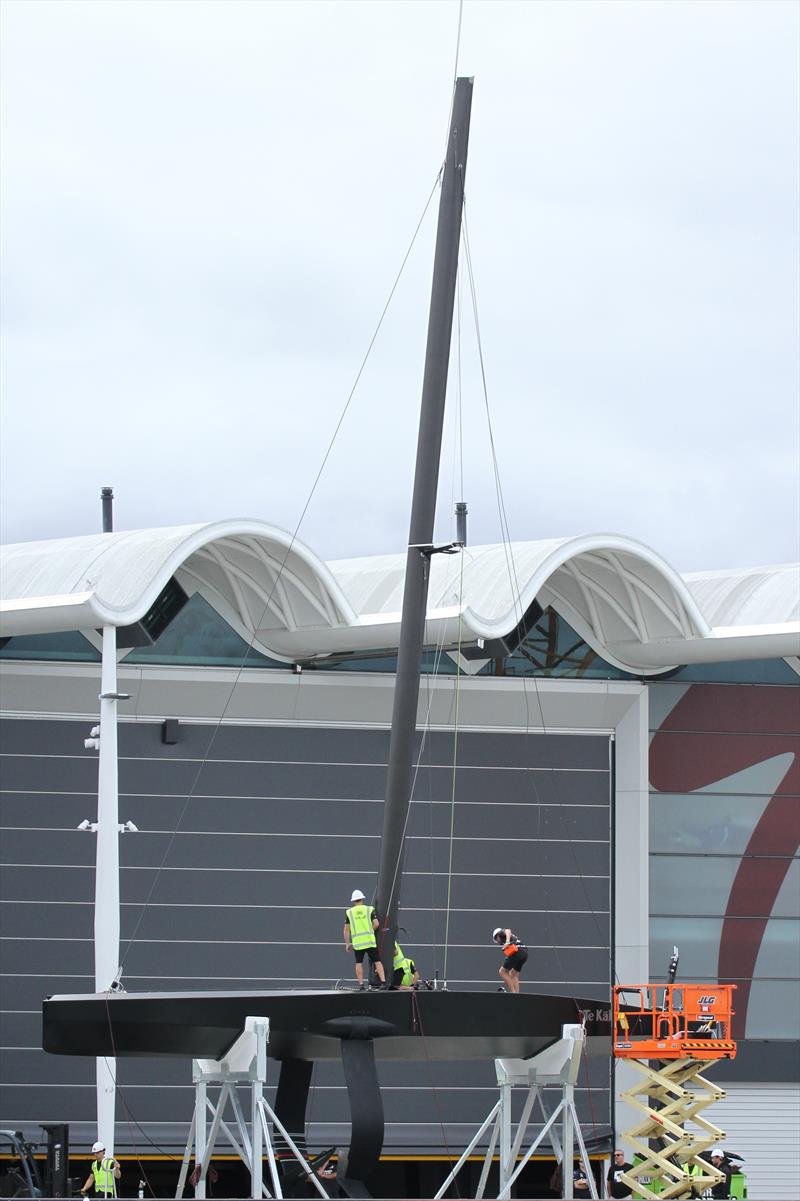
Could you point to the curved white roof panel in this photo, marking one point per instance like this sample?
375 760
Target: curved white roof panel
754 596
258 577
627 602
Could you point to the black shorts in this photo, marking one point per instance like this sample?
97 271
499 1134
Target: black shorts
370 952
514 962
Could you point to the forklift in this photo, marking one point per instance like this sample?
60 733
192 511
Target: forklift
20 1174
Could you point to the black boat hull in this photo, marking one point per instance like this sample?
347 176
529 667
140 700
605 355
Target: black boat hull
311 1025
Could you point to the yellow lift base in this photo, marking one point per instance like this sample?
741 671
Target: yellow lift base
679 1029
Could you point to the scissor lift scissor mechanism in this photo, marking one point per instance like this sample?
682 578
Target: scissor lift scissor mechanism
671 1034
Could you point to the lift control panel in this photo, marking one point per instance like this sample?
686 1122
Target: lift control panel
673 1021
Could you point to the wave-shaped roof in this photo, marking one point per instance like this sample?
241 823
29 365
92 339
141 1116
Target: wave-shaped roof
627 602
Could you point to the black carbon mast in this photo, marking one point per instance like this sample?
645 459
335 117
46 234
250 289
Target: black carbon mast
423 511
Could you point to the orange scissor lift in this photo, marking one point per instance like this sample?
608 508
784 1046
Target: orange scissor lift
671 1033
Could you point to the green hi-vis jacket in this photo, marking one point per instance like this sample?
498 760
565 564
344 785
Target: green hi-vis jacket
360 919
402 961
103 1172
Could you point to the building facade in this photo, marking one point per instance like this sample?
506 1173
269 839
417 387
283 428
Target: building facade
603 813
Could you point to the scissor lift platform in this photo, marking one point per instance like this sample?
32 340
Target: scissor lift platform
670 1034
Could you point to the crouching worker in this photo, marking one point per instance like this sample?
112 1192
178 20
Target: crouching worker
514 956
104 1174
360 924
404 970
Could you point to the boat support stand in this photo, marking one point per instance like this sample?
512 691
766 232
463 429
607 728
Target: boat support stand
245 1064
555 1067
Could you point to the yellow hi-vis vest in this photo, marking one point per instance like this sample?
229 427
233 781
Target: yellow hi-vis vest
359 919
103 1173
402 961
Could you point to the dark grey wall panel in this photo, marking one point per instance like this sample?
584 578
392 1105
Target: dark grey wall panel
545 892
329 746
280 826
315 852
69 883
312 924
301 815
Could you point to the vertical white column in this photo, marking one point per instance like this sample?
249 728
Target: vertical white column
200 1143
568 1143
505 1165
106 895
257 1161
632 874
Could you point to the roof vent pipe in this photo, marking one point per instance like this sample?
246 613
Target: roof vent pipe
107 498
461 523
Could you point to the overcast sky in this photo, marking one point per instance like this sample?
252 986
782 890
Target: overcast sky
204 206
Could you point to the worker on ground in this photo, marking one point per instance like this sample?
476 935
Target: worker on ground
404 970
580 1180
104 1174
515 954
360 924
614 1185
721 1163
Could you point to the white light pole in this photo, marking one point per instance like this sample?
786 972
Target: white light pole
106 894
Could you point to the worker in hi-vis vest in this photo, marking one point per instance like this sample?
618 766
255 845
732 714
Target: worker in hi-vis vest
360 924
404 970
104 1174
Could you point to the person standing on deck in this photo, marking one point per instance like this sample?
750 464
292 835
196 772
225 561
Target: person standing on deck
514 956
360 924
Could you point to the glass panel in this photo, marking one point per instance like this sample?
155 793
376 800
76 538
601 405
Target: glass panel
702 822
200 635
698 941
70 647
552 648
756 671
698 885
774 1009
779 956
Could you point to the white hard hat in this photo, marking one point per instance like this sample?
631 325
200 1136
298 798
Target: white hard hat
357 895
495 933
718 1152
98 1147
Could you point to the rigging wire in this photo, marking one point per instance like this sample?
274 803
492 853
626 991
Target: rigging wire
514 582
281 567
425 738
195 781
516 598
458 459
393 886
416 1009
458 39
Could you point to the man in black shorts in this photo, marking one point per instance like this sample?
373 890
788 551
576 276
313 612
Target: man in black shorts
514 955
360 924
